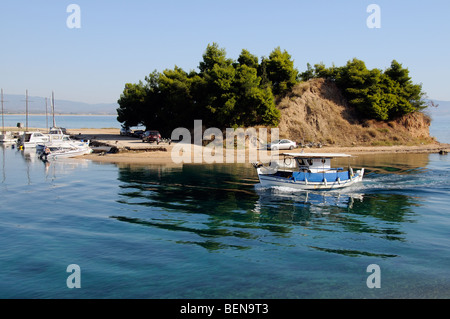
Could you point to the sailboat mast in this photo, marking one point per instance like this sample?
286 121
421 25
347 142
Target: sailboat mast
3 120
53 108
46 114
26 110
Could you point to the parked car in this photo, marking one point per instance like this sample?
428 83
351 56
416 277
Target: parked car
137 133
282 145
151 136
125 131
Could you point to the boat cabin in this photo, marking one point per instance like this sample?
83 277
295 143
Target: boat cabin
35 137
311 162
314 164
57 131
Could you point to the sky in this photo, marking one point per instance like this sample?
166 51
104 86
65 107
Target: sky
121 42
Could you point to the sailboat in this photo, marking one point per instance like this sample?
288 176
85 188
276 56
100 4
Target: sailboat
54 130
60 145
5 137
29 139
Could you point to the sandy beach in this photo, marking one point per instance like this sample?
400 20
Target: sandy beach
132 150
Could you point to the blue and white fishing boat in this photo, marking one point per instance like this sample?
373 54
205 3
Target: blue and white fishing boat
308 171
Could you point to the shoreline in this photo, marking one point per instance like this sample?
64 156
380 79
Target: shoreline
131 150
165 157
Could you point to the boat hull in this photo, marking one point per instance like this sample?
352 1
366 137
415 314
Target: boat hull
69 154
29 144
271 180
80 145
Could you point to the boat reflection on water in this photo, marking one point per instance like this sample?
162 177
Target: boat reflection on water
318 210
309 199
223 207
29 154
11 154
65 166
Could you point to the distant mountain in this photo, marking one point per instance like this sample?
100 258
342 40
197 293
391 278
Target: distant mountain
36 104
442 109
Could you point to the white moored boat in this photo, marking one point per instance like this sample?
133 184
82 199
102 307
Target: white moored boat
308 171
7 137
37 139
64 141
54 152
32 139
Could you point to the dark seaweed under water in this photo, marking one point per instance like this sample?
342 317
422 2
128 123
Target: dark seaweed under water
210 231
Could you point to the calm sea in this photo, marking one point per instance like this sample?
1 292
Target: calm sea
439 127
210 231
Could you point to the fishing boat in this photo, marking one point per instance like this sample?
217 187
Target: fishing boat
308 171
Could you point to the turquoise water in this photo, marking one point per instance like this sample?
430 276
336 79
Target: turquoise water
210 231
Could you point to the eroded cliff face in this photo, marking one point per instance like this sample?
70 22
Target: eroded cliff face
316 111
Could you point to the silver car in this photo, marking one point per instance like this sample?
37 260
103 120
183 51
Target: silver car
282 145
125 131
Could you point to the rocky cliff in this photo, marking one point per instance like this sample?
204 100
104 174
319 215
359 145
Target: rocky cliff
315 111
